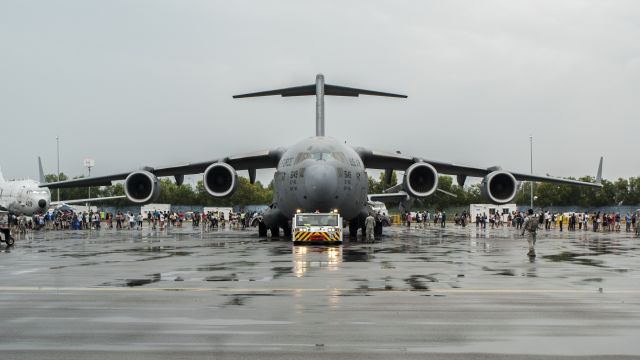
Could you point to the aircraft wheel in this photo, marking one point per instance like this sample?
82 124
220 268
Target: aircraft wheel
275 231
10 241
353 229
262 229
287 230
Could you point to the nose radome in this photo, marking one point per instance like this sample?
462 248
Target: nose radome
42 203
321 182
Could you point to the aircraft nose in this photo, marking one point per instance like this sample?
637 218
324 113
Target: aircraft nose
321 182
42 203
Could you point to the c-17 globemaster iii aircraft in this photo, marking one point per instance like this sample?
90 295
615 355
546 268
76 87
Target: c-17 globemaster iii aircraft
319 173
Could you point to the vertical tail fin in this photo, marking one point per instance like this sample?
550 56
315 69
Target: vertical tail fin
319 105
1 177
40 172
599 175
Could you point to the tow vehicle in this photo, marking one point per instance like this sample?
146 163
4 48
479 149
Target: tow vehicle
316 228
5 228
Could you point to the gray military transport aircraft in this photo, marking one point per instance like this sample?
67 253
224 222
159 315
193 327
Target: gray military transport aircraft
319 173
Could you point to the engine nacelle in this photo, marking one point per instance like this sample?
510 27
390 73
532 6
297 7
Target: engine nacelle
499 187
141 187
420 180
220 180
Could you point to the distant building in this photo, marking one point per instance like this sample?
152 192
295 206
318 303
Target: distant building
153 207
491 209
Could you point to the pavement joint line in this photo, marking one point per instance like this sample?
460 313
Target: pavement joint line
289 290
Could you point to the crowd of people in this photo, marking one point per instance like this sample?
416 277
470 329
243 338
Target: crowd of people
423 219
597 221
156 220
161 220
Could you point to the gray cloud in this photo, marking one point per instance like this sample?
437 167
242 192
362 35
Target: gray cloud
133 83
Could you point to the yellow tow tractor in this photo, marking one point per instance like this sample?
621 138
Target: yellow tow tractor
317 228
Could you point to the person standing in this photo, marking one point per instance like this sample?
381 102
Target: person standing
369 224
444 219
531 228
561 220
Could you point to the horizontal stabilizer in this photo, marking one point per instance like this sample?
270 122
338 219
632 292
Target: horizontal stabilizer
307 90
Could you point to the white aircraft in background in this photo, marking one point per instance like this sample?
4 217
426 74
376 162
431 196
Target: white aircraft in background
26 197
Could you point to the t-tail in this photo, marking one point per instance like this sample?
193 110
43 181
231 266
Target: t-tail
319 89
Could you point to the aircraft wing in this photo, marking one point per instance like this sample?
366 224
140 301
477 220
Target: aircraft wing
374 159
395 197
84 201
257 160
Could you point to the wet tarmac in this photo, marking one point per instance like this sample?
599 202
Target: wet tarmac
451 293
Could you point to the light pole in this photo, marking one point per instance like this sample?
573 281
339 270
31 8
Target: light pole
89 163
531 153
58 151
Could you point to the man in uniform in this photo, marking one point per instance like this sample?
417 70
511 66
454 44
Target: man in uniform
370 224
531 227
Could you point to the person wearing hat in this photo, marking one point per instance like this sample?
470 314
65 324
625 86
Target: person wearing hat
530 227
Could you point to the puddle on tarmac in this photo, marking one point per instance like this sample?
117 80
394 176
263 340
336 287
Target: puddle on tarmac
281 271
575 258
418 282
353 255
504 272
231 277
153 278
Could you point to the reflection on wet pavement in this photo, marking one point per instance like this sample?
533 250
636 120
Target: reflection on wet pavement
416 259
412 290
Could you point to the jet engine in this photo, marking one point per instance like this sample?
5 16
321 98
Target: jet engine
499 187
420 180
141 187
220 180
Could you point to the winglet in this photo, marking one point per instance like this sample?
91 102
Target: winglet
599 175
41 172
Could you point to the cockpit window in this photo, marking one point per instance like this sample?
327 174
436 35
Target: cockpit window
321 156
302 157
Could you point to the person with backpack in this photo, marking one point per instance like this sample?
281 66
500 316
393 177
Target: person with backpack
531 228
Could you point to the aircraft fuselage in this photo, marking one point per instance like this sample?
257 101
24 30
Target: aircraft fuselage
24 197
320 174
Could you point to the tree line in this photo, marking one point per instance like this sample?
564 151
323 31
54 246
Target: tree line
619 192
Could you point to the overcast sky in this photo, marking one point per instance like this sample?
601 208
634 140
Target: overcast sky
134 83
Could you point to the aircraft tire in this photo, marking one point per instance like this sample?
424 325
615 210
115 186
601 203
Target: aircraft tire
287 230
353 229
275 231
262 229
10 241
